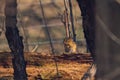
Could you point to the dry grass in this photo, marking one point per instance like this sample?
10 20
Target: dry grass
69 71
70 67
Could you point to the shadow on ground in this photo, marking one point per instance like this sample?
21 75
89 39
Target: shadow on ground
6 78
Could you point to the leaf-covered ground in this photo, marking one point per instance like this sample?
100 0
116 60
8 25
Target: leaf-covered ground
70 67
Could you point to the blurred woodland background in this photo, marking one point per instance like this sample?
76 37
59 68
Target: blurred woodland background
32 28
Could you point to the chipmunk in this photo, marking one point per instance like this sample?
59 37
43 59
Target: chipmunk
70 45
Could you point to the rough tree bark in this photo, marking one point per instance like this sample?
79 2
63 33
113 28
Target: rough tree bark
101 24
15 40
87 8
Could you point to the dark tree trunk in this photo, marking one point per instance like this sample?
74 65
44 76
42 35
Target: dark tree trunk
15 40
102 32
87 8
108 39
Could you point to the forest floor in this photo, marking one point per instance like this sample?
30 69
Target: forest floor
70 67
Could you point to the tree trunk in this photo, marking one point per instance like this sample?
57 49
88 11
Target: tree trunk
108 39
101 24
15 40
88 16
